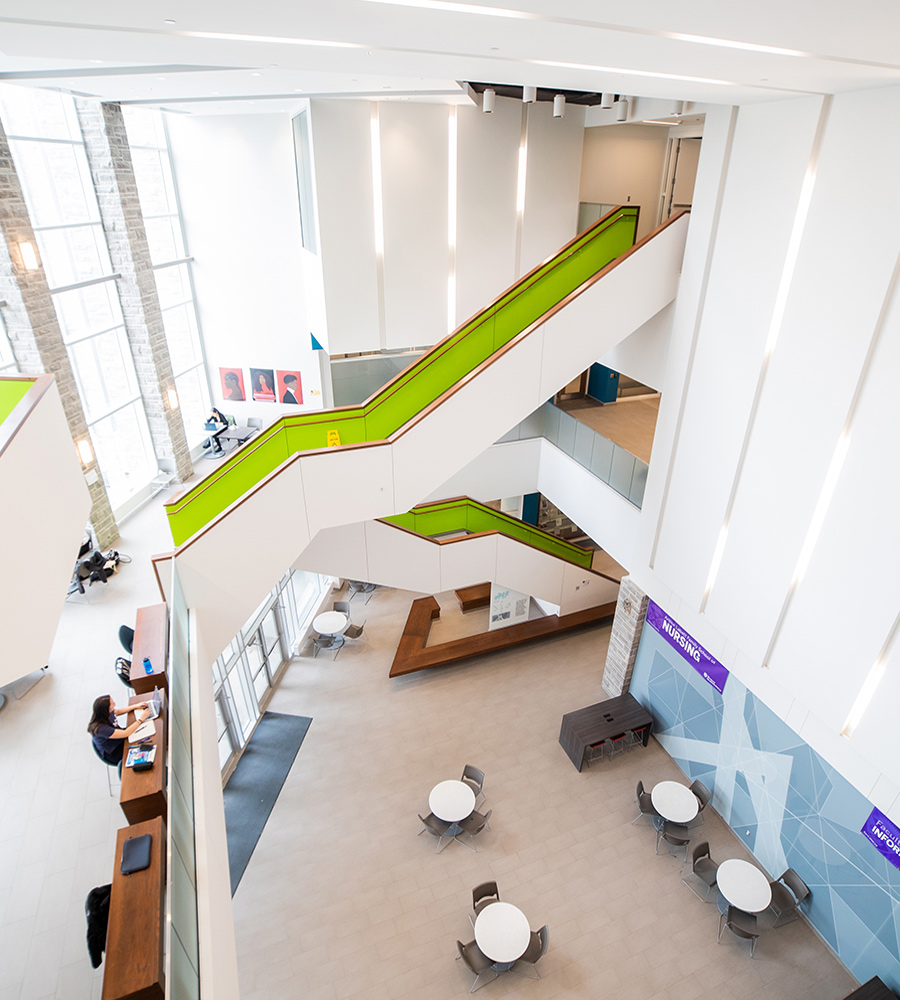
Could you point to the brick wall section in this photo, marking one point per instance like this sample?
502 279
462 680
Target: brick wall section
34 331
631 610
109 156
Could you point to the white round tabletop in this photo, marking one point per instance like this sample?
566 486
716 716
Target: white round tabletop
451 801
743 885
330 622
674 801
502 932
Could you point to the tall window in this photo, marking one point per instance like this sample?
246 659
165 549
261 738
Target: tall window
159 207
8 364
48 151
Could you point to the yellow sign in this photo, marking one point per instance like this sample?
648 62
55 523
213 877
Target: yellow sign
334 439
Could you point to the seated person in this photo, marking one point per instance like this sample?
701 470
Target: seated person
221 421
108 739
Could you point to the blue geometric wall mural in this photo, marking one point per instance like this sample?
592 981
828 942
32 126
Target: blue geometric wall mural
790 807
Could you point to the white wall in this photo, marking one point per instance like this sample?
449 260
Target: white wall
624 165
415 169
643 355
810 278
44 504
237 184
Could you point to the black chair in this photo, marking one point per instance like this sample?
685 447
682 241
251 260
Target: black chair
483 895
676 834
325 642
473 826
704 868
126 637
537 948
477 962
354 631
741 924
343 607
474 778
786 898
645 803
108 766
123 670
96 911
360 587
703 797
437 828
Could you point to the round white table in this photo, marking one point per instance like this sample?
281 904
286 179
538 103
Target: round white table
330 622
674 801
502 932
451 801
743 885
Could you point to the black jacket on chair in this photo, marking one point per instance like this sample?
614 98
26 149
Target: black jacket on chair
96 909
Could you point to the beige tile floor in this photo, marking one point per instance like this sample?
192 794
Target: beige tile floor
58 822
342 899
630 422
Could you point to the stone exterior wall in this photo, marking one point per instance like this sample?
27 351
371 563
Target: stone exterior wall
631 610
34 330
112 171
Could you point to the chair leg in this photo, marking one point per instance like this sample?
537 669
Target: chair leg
109 782
684 878
471 847
721 928
477 986
520 972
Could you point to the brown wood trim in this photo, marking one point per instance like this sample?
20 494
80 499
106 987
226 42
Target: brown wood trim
154 562
487 534
413 655
23 409
501 351
413 421
518 286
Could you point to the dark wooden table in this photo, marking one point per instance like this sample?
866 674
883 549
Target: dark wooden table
151 639
874 989
598 722
135 961
143 794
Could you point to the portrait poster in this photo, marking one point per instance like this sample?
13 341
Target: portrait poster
289 389
262 385
232 385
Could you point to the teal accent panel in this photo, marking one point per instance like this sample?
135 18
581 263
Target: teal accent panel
800 812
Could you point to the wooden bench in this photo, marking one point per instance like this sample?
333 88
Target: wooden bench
471 598
412 653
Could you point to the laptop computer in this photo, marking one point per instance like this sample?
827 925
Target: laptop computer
154 704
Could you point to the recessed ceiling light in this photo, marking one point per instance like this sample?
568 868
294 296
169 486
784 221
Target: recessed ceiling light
495 48
387 88
255 73
161 78
168 20
95 60
298 90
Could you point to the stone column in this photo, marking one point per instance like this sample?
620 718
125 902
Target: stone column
109 156
631 610
35 334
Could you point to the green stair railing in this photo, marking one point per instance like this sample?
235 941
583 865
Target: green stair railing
465 514
418 386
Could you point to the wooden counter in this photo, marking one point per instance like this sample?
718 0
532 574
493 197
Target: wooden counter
143 794
135 962
151 639
602 721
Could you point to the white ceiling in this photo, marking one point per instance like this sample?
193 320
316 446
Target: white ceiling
266 55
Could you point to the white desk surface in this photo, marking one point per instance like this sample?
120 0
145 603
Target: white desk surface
330 622
674 801
451 801
502 932
743 885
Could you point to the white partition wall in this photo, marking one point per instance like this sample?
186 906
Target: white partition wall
427 256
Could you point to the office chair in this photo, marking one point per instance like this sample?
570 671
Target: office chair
108 766
123 670
126 637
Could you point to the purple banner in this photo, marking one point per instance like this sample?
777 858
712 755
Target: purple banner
704 663
880 831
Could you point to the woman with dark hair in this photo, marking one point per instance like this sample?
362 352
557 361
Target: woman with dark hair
108 739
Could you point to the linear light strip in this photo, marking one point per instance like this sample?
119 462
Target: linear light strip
843 442
521 178
378 219
870 684
784 286
695 334
452 130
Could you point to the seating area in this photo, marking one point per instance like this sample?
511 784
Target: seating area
413 654
561 844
